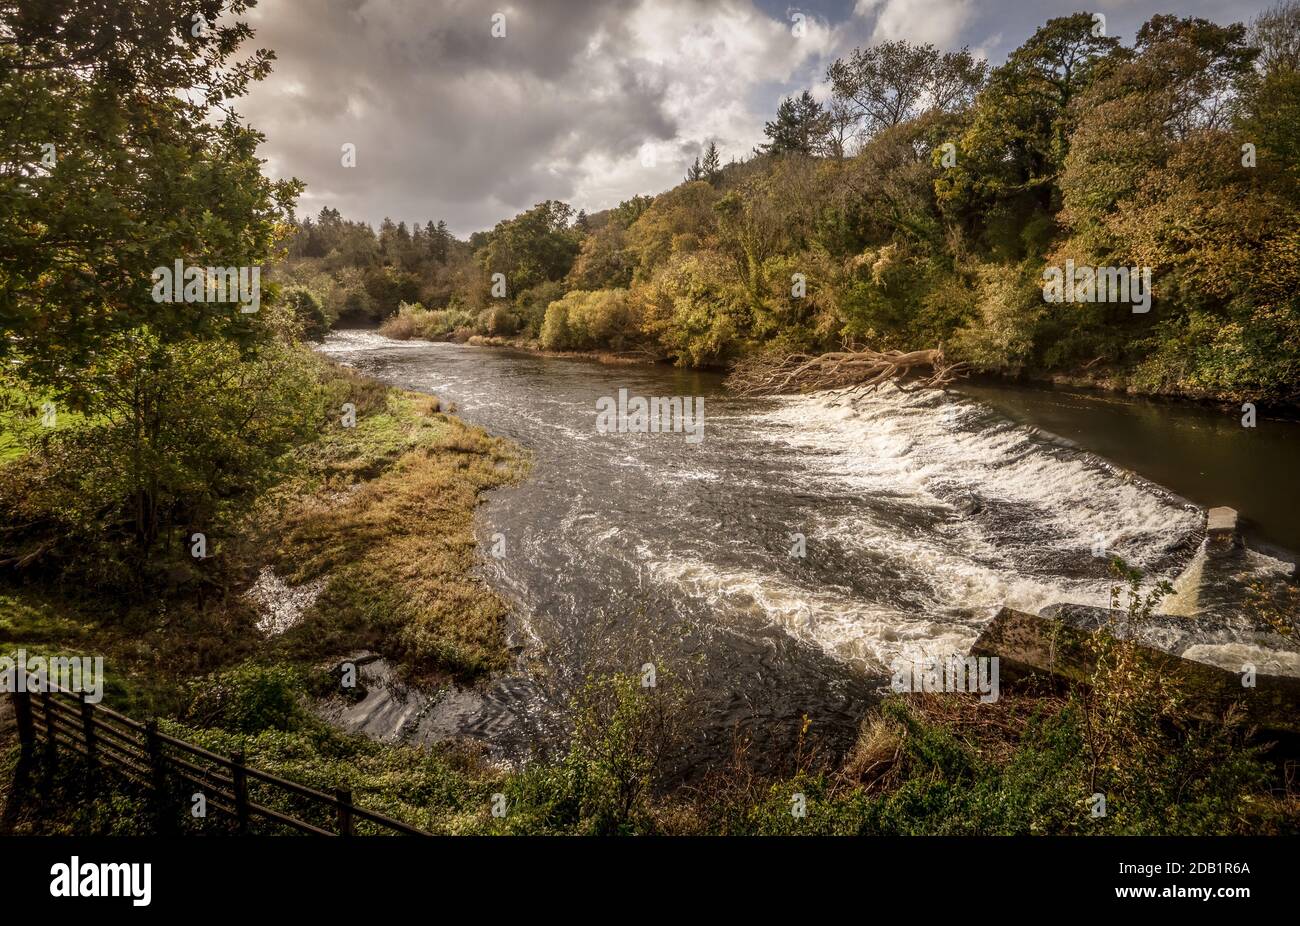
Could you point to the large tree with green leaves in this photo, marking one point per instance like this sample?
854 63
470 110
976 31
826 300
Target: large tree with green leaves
119 153
1010 156
533 247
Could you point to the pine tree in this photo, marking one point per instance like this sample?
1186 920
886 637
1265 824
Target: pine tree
801 126
435 240
712 166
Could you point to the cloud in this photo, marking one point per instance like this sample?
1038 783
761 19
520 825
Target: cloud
588 103
938 21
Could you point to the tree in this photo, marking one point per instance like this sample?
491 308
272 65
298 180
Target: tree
1269 110
121 154
1199 64
841 129
801 127
603 261
533 247
1276 33
1176 84
712 165
179 437
893 82
1155 177
438 240
1009 158
683 219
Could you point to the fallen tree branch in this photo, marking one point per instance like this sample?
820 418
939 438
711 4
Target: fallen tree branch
861 369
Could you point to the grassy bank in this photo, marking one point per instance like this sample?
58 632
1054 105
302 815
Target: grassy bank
378 515
384 514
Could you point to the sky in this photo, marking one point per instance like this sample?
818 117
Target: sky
586 101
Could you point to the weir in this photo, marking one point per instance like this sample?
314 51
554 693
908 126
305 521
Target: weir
1224 631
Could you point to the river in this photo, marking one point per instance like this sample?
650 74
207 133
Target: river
917 516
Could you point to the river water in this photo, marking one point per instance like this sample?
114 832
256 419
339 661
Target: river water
920 514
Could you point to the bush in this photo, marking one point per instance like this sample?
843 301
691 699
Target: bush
555 327
307 310
696 308
1009 310
415 321
590 320
179 439
624 735
248 699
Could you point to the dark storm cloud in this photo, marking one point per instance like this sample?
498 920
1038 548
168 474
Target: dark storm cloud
447 120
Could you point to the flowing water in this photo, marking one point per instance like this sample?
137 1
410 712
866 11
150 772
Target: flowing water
920 514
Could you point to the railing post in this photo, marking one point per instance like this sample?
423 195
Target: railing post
51 748
158 771
240 779
344 798
88 731
23 716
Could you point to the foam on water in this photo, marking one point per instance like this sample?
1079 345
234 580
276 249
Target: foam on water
920 446
850 629
1029 542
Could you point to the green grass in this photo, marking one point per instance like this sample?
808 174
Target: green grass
21 418
388 521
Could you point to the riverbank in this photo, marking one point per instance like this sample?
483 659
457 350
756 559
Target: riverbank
1103 381
367 543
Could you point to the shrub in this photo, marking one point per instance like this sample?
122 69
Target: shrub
624 736
1008 313
307 310
249 698
415 321
555 327
696 308
588 320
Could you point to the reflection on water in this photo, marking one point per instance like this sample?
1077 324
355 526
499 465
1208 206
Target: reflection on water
920 514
